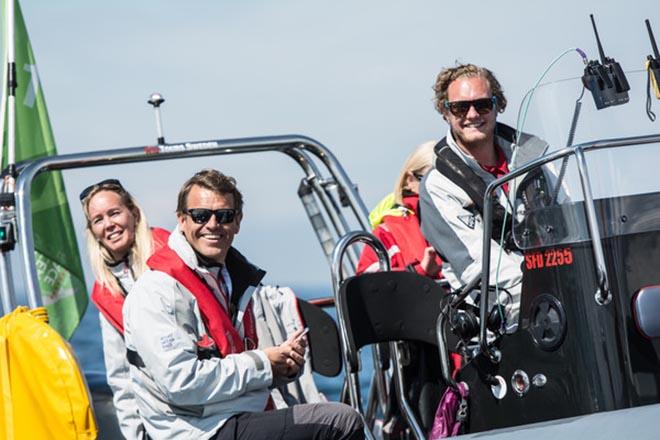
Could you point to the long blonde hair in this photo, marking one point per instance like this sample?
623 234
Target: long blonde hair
99 256
417 163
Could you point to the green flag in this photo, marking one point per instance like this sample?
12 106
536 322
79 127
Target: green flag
61 278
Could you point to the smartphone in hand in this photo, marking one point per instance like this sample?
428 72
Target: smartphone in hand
304 332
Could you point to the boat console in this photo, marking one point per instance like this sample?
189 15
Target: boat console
586 218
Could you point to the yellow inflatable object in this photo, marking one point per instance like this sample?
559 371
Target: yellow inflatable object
654 81
43 394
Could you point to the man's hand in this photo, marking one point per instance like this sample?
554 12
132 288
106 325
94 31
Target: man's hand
429 263
288 358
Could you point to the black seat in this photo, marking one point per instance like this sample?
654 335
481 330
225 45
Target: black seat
386 307
323 339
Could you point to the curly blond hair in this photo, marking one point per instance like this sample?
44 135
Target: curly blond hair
450 74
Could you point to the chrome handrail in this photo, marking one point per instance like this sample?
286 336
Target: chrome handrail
337 279
352 376
313 176
603 295
285 144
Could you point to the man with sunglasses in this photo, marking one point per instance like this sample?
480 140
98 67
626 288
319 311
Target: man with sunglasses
191 337
476 150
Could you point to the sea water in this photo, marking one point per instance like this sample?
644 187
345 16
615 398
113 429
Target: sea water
87 345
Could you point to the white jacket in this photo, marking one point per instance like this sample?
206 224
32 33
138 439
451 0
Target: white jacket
119 381
179 395
277 317
451 224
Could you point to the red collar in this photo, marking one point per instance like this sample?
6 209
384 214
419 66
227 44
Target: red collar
410 201
500 168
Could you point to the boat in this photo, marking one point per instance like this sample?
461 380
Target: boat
584 359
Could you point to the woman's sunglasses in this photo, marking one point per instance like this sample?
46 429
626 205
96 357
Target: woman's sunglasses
203 215
107 182
461 108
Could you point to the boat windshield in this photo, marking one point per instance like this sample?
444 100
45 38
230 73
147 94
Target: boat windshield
549 202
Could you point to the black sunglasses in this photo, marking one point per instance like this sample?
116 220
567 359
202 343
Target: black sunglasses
203 215
461 108
107 182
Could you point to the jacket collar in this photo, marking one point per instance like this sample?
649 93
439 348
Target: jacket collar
178 243
241 271
505 146
530 148
410 201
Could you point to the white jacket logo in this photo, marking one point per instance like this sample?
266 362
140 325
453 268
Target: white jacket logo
467 220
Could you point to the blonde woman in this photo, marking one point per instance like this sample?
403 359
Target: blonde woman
119 242
396 221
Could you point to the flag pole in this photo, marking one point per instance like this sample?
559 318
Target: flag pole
7 211
11 98
59 273
3 105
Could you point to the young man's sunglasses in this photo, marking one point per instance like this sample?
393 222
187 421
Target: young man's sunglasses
107 182
461 108
203 215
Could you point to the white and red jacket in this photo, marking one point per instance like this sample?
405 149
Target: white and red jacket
110 304
168 319
114 351
454 226
220 313
399 231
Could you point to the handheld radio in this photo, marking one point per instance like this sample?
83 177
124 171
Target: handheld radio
653 63
605 78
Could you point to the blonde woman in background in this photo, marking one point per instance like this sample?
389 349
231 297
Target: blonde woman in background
395 221
119 242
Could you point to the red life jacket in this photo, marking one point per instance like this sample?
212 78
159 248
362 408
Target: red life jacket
404 232
110 304
407 233
216 318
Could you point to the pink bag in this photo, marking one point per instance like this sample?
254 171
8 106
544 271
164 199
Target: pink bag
451 412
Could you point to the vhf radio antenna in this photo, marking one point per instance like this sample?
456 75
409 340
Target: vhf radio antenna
653 45
601 52
155 100
605 79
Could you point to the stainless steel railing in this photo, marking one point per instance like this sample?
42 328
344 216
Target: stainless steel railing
303 150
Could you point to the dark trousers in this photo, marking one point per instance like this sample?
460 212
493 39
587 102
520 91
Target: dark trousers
332 421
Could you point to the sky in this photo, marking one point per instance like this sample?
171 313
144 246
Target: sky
356 76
